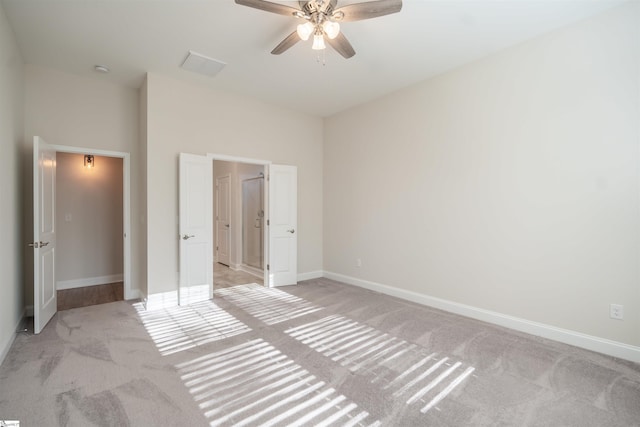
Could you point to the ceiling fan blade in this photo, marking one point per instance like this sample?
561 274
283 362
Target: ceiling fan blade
370 9
285 44
269 6
341 45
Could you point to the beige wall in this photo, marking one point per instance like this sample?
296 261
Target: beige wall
185 118
89 225
510 184
11 223
65 109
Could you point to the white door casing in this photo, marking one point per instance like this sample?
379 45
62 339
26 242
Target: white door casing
44 233
283 225
223 221
196 228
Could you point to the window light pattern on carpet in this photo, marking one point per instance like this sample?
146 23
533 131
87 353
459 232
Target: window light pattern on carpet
180 328
269 305
404 370
254 383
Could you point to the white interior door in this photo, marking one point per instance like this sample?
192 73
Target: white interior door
196 228
283 224
44 233
223 232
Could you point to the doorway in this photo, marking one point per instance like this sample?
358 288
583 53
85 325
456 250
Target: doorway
197 233
239 231
89 223
44 229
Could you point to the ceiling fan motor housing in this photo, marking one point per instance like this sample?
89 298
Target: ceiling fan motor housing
318 6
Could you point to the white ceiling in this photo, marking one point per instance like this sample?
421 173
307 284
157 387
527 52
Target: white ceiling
132 37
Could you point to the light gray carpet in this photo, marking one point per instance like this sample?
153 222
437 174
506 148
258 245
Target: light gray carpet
321 353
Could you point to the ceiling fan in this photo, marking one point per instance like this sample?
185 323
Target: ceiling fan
322 20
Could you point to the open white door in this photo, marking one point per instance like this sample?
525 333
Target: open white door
196 228
283 225
44 234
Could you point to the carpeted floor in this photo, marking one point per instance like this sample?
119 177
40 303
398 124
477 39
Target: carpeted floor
321 353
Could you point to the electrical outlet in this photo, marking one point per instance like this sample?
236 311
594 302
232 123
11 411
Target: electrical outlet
358 262
616 311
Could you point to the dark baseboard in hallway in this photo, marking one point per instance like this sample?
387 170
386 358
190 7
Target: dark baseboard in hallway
90 295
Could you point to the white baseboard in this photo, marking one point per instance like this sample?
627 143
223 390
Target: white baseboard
589 342
134 294
310 275
256 272
162 300
6 346
89 281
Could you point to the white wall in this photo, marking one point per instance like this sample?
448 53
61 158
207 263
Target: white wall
89 221
509 185
66 109
186 118
11 138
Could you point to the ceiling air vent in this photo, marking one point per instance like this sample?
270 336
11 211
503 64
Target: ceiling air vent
202 65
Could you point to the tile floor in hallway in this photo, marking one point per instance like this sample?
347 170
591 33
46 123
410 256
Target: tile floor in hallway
225 277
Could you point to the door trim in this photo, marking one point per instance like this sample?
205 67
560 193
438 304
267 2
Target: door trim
129 293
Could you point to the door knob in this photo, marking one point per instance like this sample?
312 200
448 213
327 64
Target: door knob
43 244
291 231
187 236
226 225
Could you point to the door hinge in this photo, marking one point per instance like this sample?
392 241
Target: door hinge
268 267
216 248
268 222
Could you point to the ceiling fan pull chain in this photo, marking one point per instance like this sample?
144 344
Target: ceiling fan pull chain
321 60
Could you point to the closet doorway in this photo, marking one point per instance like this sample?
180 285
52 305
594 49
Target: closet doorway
90 229
45 225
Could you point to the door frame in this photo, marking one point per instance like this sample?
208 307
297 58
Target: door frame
126 207
237 159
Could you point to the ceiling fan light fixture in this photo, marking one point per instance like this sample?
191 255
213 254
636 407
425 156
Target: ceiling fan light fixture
318 42
323 17
305 30
331 29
